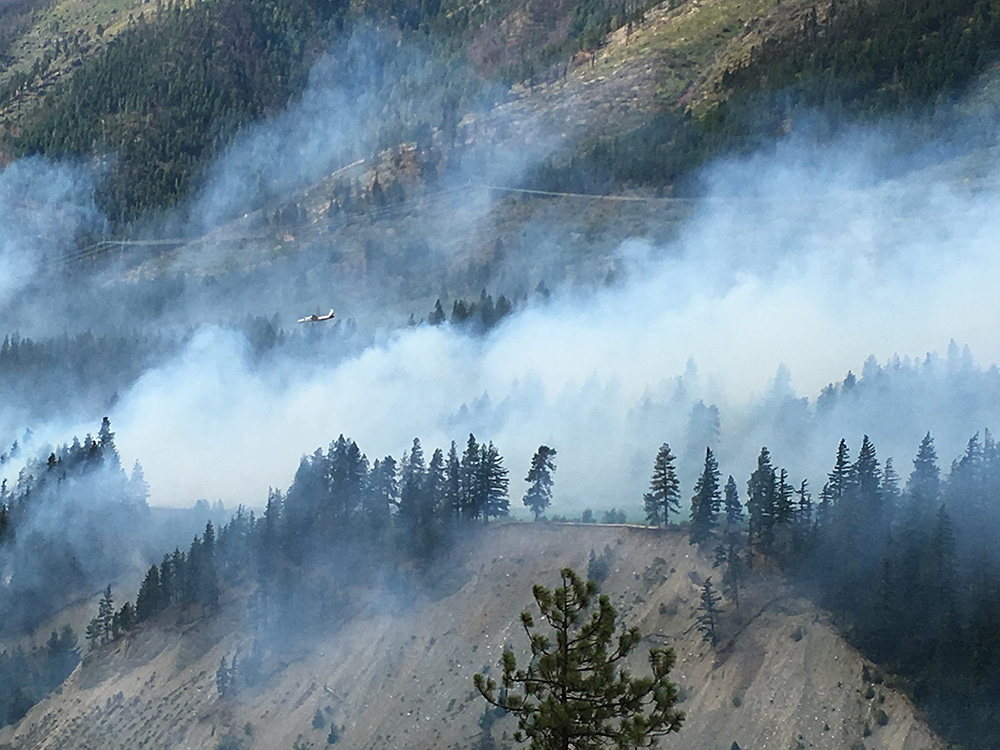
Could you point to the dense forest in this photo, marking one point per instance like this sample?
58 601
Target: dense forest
856 62
158 132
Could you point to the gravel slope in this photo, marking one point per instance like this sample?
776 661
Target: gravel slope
400 677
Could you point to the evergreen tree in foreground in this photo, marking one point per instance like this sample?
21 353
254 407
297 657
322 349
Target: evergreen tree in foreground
575 692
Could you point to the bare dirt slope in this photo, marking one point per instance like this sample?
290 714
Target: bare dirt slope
397 677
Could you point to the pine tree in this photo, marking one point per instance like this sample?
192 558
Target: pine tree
138 488
208 578
437 315
839 479
223 678
708 612
437 479
706 501
148 602
105 615
890 485
269 531
106 444
123 621
493 484
381 495
867 479
664 496
783 509
803 517
452 494
732 506
575 691
761 502
539 494
471 459
412 488
924 484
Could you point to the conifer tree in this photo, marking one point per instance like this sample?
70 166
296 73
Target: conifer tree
575 691
452 493
223 678
106 443
105 615
4 522
708 612
890 485
381 495
138 488
123 621
664 496
437 315
412 487
839 478
493 483
148 601
706 501
732 506
539 494
867 478
761 502
803 517
470 479
208 577
783 508
924 484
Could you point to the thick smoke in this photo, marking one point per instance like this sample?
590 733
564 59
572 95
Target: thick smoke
43 208
366 94
796 266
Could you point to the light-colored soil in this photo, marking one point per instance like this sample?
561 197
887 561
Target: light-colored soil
394 677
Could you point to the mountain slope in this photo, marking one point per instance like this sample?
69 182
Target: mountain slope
399 675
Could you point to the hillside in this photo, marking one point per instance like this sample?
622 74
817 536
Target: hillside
399 674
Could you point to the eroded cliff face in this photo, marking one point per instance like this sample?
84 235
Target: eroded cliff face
399 675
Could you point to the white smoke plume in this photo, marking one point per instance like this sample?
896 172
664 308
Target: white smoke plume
43 208
795 268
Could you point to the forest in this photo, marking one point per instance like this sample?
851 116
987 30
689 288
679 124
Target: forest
907 565
857 61
900 552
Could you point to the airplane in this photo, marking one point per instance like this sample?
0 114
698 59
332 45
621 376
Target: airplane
317 318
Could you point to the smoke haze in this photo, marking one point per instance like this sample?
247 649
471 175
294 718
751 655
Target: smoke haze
796 265
794 262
